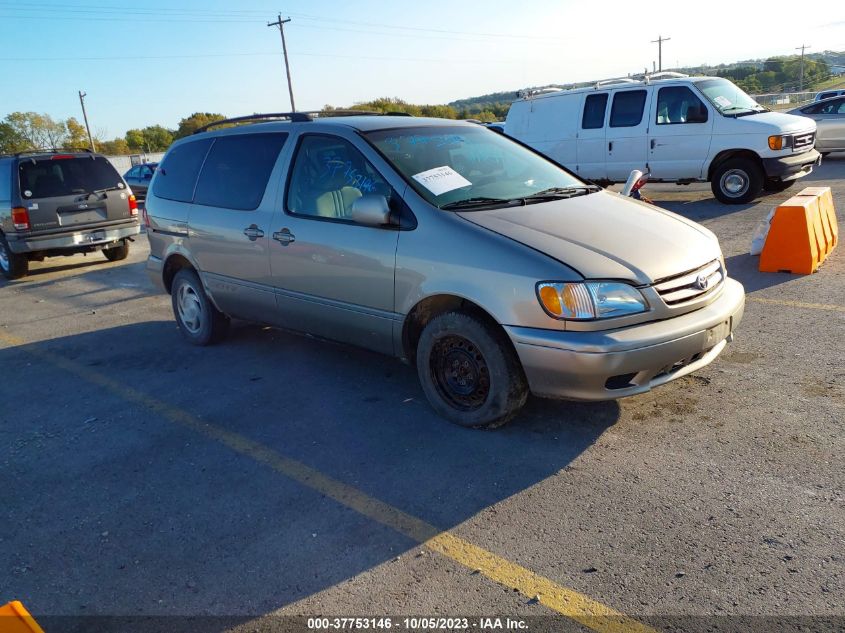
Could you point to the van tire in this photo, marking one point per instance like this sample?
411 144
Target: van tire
737 180
116 253
12 265
483 357
199 321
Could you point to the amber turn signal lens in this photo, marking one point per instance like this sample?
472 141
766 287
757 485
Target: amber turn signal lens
775 142
551 300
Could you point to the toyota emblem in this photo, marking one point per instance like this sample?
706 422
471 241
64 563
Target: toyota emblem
702 282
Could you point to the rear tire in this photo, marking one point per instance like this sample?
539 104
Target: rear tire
737 181
12 265
200 322
116 253
469 372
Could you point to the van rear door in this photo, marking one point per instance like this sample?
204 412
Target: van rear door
627 133
680 134
592 153
71 191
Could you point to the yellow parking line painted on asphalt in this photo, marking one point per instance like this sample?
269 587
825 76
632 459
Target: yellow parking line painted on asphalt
567 602
798 304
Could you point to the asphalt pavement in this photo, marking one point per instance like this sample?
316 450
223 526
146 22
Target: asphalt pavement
277 475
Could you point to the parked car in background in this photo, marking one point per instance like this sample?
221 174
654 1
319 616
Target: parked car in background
829 116
490 268
62 203
677 128
139 177
827 94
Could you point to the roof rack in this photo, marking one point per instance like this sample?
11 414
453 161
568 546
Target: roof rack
619 80
296 117
51 150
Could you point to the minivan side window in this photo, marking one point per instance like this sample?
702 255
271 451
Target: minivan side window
678 104
236 170
594 109
180 169
328 175
837 106
5 180
627 108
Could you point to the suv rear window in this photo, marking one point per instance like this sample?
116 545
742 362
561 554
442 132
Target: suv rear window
236 170
55 176
178 172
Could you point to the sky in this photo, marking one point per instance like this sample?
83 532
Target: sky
154 62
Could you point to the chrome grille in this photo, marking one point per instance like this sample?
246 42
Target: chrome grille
692 284
803 141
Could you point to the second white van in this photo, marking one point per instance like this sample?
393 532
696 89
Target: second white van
678 128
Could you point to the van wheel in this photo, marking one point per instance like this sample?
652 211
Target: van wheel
776 186
468 371
116 253
737 181
200 322
12 265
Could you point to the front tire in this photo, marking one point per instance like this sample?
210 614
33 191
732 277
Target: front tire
200 322
469 372
12 265
116 253
737 181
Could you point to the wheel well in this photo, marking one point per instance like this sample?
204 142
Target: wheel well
728 154
434 306
173 265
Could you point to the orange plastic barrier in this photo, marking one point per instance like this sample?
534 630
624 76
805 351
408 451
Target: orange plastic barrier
14 618
796 242
828 213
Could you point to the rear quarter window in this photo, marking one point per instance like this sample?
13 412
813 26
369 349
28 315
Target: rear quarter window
178 171
237 169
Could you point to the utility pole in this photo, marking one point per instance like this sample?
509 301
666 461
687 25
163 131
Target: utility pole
659 41
85 116
281 24
801 72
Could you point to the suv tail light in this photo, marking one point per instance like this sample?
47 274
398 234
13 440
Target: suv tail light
133 206
20 218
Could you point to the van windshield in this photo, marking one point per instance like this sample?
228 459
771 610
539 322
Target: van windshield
60 176
727 98
472 167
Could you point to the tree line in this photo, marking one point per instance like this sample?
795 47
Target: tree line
23 131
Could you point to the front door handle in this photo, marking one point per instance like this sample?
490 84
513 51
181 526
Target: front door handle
253 232
284 237
610 146
653 143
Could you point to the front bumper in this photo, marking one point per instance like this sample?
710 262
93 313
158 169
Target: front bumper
624 362
83 239
792 167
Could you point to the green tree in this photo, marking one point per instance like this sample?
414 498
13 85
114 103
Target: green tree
11 140
135 139
77 136
189 124
37 131
116 147
156 138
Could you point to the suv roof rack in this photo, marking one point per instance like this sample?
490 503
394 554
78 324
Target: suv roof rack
296 117
51 150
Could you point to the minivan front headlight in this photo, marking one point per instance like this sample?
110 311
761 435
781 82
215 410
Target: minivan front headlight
590 300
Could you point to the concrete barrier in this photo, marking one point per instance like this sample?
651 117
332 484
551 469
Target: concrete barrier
802 234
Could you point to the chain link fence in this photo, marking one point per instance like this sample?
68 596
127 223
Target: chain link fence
784 100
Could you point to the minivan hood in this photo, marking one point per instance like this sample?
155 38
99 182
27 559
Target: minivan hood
606 236
777 122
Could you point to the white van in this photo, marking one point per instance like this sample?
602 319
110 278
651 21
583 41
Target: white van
680 129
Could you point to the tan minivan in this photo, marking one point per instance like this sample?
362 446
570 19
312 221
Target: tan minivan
492 269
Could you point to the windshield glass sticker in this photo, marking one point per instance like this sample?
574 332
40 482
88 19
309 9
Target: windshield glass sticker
441 179
722 101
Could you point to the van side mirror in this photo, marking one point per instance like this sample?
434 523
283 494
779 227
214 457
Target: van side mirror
371 210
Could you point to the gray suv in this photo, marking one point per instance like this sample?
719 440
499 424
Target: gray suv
492 269
62 203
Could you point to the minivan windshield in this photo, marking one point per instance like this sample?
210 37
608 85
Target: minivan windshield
471 167
65 176
728 99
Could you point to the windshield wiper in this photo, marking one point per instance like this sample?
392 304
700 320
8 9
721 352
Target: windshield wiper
557 193
471 203
743 111
97 192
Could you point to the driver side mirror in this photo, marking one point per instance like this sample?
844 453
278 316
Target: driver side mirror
371 210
